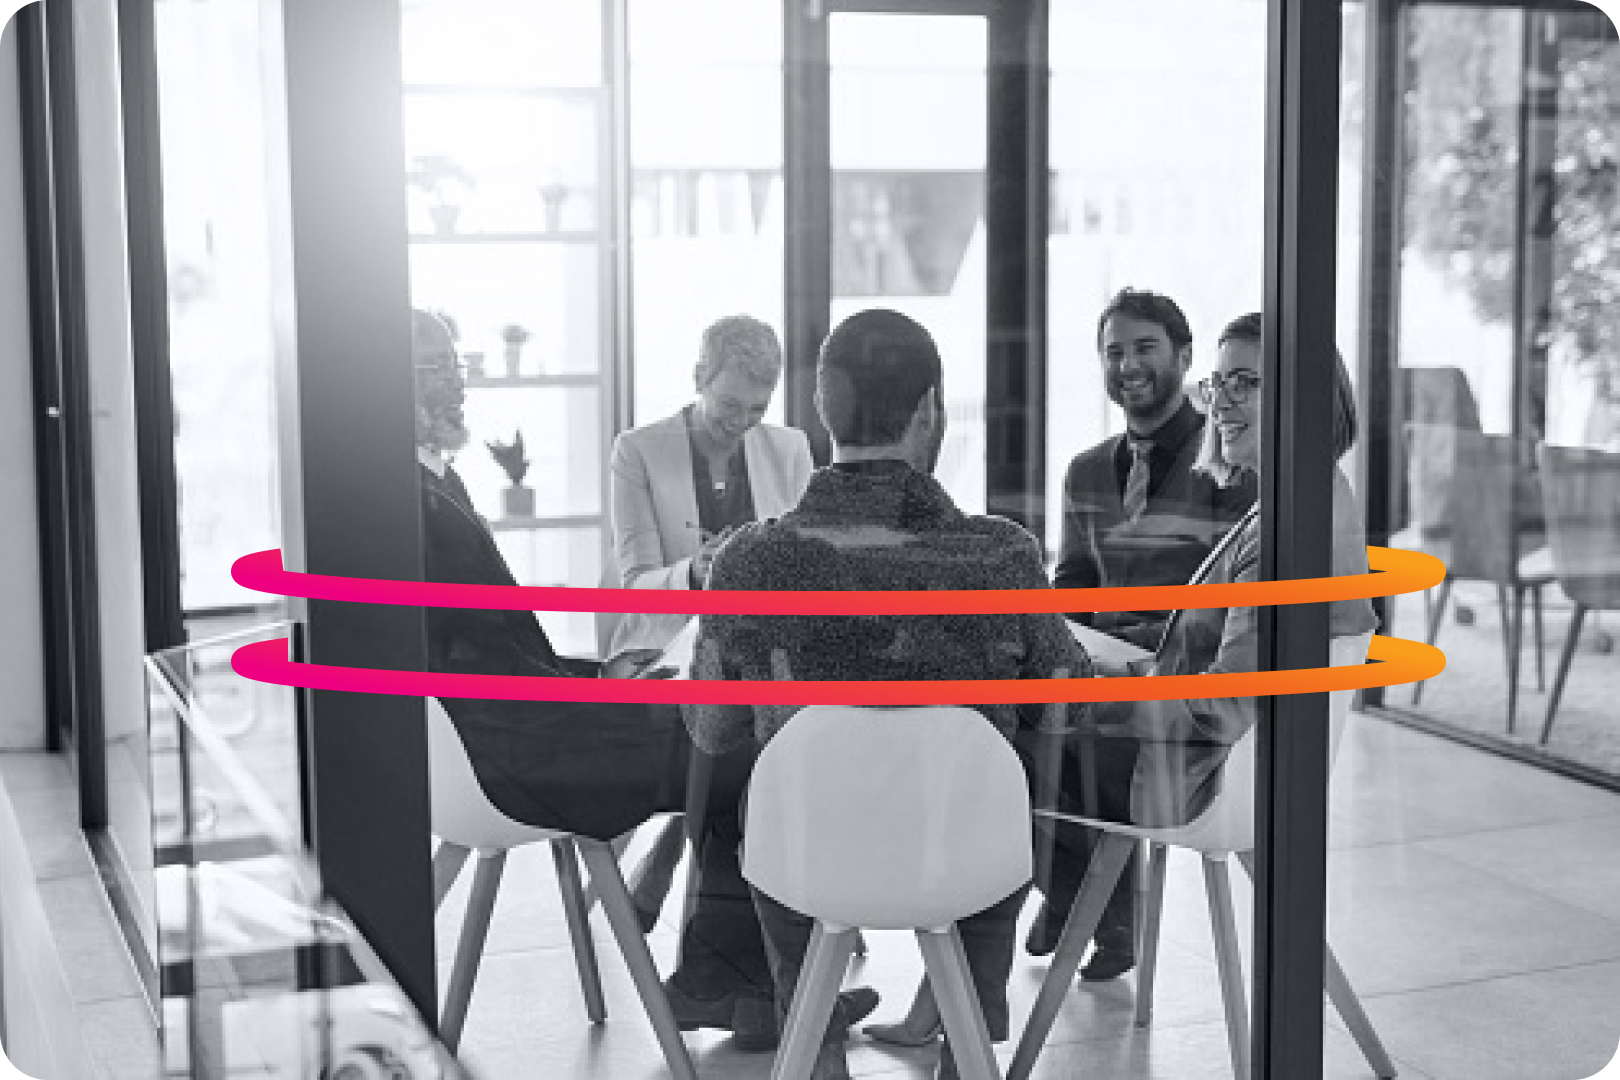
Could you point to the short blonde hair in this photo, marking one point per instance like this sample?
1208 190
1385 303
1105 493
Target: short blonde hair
741 342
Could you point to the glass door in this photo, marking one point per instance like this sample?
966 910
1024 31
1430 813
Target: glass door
908 222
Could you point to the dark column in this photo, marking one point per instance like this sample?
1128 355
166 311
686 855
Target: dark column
1302 161
1017 199
149 327
807 197
354 463
1383 472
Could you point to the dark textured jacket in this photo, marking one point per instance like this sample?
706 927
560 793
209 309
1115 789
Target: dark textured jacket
871 526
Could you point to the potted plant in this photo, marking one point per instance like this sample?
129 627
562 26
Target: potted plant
442 180
517 501
514 336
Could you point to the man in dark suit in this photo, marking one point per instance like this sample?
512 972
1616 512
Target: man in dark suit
592 768
1135 514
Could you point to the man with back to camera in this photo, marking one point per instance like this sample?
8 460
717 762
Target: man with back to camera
1135 514
876 519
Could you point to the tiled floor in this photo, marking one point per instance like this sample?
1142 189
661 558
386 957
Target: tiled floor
114 1017
1475 905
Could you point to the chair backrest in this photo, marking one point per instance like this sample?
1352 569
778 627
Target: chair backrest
1228 822
1581 491
888 818
1496 507
461 812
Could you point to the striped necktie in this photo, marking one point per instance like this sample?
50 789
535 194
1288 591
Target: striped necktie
1136 481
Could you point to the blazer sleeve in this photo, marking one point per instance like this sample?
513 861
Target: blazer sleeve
637 542
1217 720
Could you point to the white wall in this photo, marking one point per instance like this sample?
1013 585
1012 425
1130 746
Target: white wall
22 657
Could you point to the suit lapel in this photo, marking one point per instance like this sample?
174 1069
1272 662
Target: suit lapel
672 465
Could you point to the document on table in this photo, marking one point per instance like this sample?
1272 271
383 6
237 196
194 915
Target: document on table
1105 648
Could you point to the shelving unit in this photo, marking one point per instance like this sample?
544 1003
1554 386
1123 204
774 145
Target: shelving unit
534 175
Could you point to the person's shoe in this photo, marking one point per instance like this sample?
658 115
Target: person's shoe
1045 931
1111 958
904 1034
851 1008
751 1018
693 1012
831 1064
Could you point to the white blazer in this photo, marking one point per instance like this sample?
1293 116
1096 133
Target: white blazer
655 514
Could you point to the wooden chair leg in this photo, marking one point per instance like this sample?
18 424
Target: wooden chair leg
448 859
1102 874
470 949
563 855
1148 954
1355 1017
621 916
620 845
1229 961
1436 613
1512 635
1541 645
813 999
959 1005
1571 639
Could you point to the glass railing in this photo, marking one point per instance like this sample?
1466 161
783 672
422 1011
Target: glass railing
260 972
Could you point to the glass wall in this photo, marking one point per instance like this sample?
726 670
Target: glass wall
507 134
1156 146
1460 866
908 202
705 87
1506 276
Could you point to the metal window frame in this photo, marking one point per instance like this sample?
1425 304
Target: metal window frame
1291 797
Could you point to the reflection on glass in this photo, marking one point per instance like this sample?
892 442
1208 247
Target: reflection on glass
261 972
507 122
1470 488
216 217
706 193
1165 193
908 202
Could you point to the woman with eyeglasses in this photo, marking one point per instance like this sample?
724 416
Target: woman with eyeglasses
1182 744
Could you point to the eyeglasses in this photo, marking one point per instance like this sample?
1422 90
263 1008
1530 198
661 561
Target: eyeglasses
1237 386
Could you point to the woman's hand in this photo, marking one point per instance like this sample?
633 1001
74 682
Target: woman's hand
703 561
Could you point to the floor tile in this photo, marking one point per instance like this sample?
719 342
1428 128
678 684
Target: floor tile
93 954
48 819
1553 1025
122 1039
1576 862
1403 918
1393 784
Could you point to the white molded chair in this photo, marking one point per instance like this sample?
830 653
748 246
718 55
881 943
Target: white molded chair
1226 828
899 819
465 821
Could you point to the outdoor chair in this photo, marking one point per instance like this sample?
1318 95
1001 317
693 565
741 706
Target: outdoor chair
1581 489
